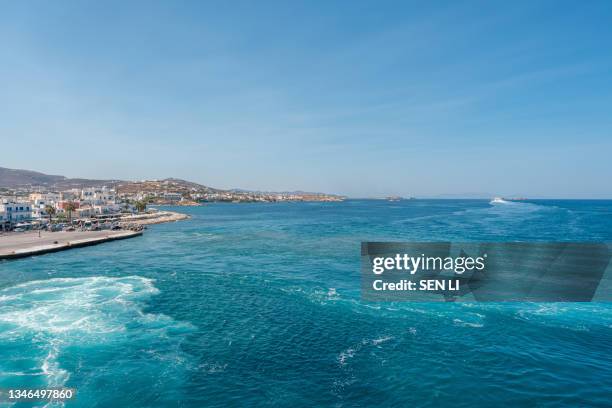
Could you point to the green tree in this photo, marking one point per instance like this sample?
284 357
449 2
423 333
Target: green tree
140 206
70 207
50 210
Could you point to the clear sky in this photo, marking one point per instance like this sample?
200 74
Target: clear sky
358 98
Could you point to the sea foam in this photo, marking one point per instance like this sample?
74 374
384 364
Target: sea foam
49 316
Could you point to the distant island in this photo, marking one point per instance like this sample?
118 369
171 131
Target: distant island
16 183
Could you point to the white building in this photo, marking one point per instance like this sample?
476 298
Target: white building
40 200
84 212
173 196
106 208
38 212
70 195
98 195
12 212
50 198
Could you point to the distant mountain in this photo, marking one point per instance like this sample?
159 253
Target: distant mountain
27 179
295 192
169 184
188 184
14 178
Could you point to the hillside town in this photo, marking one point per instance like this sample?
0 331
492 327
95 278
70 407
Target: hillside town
181 192
35 207
22 210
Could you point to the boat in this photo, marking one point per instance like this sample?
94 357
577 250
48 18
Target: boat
498 200
394 198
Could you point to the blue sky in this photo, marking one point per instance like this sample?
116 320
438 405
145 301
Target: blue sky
358 98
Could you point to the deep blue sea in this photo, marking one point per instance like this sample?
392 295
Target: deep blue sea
259 305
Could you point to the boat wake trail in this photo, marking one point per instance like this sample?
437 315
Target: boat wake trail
50 329
499 200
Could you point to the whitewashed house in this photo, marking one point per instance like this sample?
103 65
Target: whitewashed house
13 212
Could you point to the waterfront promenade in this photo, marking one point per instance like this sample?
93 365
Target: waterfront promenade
21 244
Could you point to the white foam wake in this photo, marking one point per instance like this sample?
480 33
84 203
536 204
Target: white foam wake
45 317
498 200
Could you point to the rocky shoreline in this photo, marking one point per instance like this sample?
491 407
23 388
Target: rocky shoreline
157 217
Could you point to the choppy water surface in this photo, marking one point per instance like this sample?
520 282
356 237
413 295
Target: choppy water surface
259 305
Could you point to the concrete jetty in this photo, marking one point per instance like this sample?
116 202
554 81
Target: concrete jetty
22 244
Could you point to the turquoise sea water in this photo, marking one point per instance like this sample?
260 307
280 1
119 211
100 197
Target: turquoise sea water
259 305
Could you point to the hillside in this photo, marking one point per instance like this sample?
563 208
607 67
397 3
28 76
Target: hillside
155 186
16 178
26 180
10 178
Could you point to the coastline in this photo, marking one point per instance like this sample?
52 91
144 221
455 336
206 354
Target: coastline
15 245
158 217
20 245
